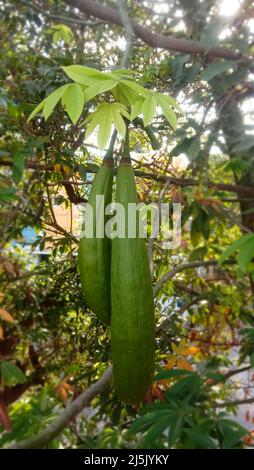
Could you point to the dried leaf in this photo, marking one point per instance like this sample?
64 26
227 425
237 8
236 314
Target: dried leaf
191 351
171 362
184 364
9 267
1 333
4 315
61 392
157 392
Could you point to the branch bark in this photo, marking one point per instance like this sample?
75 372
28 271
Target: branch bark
182 267
60 423
155 40
183 182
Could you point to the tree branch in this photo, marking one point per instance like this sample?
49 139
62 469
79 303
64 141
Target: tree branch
155 40
65 19
59 424
234 403
182 182
182 267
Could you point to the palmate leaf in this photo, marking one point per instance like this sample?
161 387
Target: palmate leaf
94 120
105 126
137 107
106 115
246 254
36 110
86 75
118 121
174 431
73 101
149 109
138 89
52 100
98 88
123 73
248 237
155 431
167 110
200 437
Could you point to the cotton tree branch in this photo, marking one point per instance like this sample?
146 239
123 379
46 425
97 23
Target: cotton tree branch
155 40
246 401
64 19
183 267
182 182
62 421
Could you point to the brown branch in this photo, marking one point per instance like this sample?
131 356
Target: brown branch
155 40
182 182
61 18
182 267
234 403
62 421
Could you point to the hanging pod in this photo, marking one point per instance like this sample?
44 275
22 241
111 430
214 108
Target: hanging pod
132 306
94 256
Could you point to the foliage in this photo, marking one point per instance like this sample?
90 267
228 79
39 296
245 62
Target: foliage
56 118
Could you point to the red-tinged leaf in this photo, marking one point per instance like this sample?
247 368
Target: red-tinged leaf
1 333
157 392
4 418
4 315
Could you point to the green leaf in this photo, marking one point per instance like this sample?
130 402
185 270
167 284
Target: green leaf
170 101
140 90
232 432
235 246
174 431
83 172
252 360
142 422
36 110
52 100
186 388
245 255
85 75
18 166
105 127
8 194
122 109
198 253
118 122
98 88
11 374
137 107
217 68
57 36
123 73
167 110
124 94
94 120
155 431
73 100
201 438
149 109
